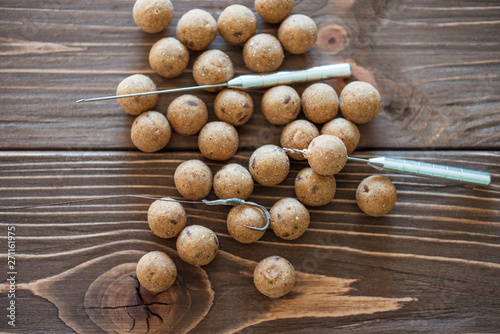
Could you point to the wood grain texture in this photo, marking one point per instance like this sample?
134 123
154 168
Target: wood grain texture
436 66
431 265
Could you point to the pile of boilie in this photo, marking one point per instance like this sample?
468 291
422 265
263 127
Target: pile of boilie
326 151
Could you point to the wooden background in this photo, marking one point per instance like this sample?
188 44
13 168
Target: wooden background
431 265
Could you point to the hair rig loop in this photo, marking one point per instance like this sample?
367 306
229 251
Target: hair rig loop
237 202
229 201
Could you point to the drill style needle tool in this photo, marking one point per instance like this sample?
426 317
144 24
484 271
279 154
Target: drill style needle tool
342 70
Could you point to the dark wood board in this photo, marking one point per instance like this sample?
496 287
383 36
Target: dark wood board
433 260
431 265
436 66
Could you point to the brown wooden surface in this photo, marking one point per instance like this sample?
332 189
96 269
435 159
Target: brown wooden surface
431 265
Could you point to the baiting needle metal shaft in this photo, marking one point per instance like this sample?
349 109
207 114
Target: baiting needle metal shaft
342 70
174 90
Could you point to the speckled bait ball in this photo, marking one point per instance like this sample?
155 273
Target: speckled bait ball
156 272
233 106
313 189
346 130
274 276
298 135
273 11
193 179
263 53
150 131
153 16
213 67
197 245
320 103
166 219
237 24
376 195
137 83
241 216
233 181
359 102
196 29
280 105
218 141
168 57
289 218
298 33
326 155
187 114
269 165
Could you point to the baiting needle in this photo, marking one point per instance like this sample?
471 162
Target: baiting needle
420 168
342 70
227 201
427 169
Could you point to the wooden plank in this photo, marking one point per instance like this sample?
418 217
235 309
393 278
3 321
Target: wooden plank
430 264
435 65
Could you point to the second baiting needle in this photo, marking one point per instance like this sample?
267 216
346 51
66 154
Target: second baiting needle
342 70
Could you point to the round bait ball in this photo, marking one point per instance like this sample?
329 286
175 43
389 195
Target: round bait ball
298 135
197 245
233 106
274 276
193 179
237 24
218 141
263 53
137 83
213 67
298 33
280 105
273 11
168 57
233 181
269 165
320 103
166 219
313 189
289 218
153 16
150 131
326 155
346 130
196 29
359 102
241 216
187 114
156 271
376 195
